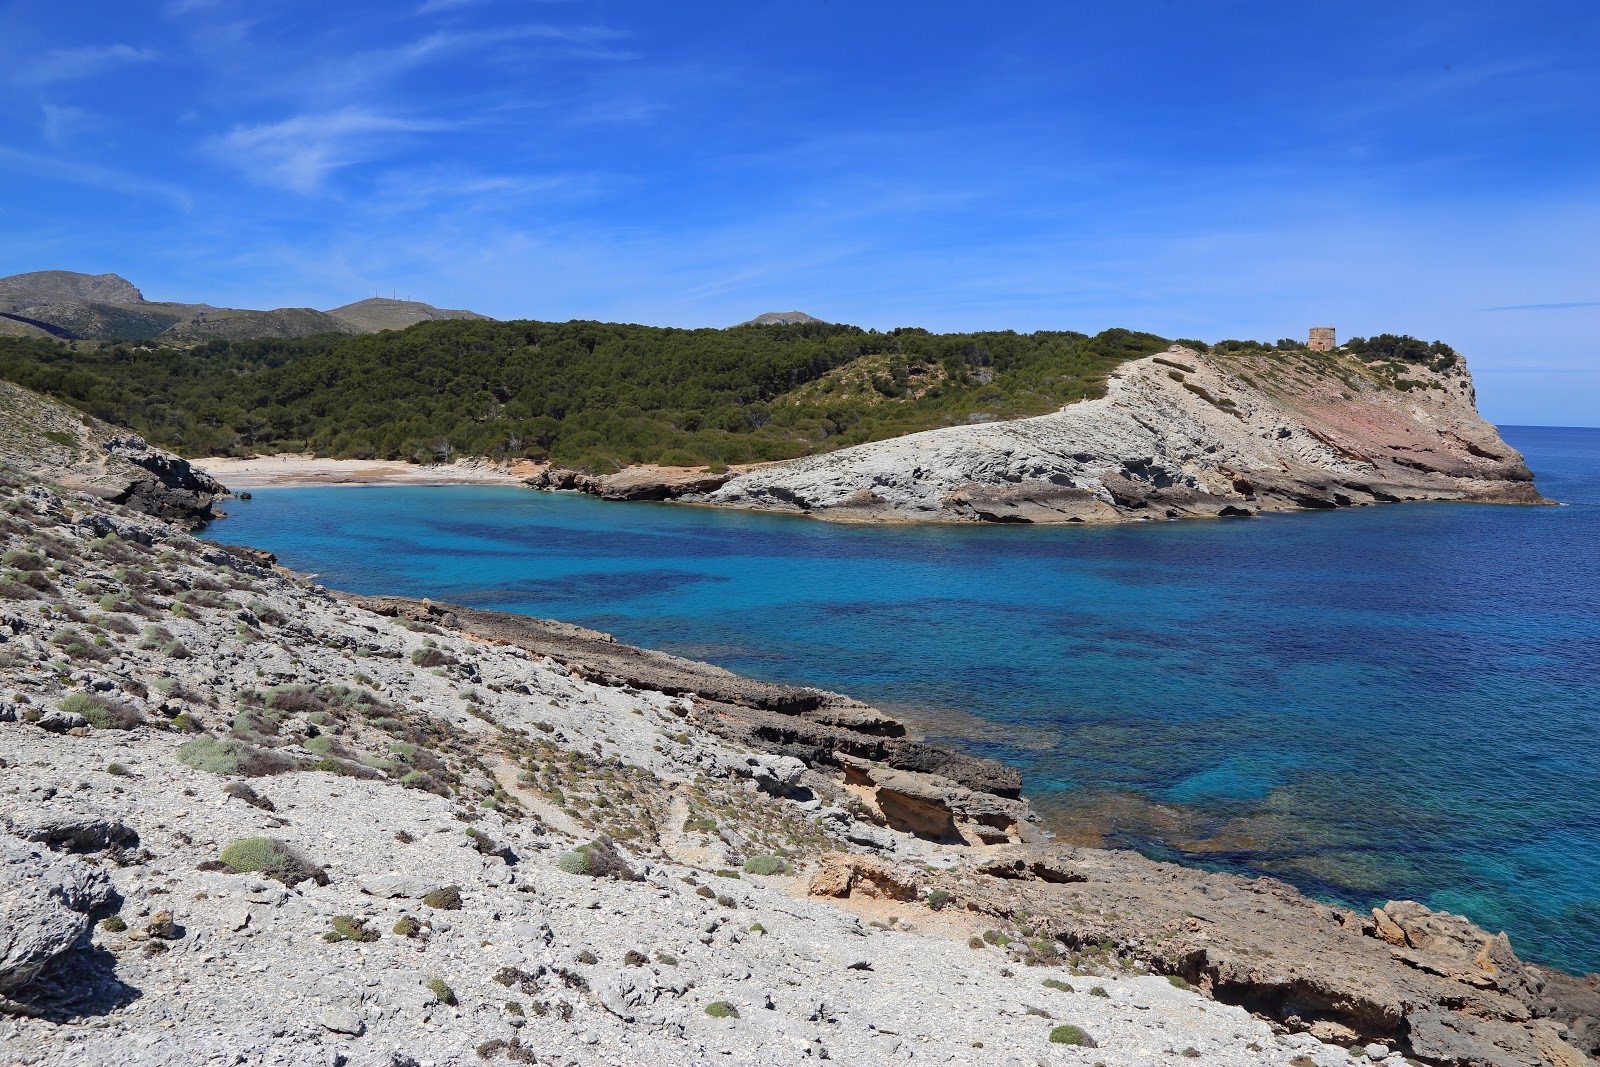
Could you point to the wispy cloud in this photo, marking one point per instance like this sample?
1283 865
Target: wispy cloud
97 177
299 153
60 120
1548 307
73 64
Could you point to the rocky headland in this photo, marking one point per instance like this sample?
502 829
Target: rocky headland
247 819
1179 434
45 439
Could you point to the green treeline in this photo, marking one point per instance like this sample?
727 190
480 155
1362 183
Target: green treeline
590 394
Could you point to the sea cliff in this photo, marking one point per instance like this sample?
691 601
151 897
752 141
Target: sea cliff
1179 434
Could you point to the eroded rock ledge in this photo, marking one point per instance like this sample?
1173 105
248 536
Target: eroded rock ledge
1432 984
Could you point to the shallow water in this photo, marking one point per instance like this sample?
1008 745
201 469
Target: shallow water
1400 701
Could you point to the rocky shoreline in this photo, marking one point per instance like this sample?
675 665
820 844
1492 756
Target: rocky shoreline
246 818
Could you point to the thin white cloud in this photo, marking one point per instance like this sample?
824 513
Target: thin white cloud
97 177
300 152
73 64
59 121
434 46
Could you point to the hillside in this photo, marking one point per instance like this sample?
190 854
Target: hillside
585 394
380 313
107 307
782 318
45 439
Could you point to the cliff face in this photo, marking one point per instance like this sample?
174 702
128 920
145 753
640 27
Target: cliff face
47 440
1177 435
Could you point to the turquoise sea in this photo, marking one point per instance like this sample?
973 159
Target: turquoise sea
1389 702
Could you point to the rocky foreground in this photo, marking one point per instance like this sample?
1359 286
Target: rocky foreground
246 820
1177 435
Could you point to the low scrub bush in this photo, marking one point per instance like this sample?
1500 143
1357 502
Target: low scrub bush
101 712
234 757
721 1009
350 928
765 865
1071 1035
598 859
273 858
433 657
446 899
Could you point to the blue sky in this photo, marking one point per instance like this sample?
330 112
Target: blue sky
1227 169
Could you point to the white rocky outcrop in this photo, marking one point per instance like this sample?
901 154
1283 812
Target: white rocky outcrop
1177 434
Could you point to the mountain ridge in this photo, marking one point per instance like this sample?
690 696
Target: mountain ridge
107 307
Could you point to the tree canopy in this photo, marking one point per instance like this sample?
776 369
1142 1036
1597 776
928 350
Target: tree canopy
582 393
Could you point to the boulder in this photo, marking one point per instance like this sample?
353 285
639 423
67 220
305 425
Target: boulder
48 902
74 831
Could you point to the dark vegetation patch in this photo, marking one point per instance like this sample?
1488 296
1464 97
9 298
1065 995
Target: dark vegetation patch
580 393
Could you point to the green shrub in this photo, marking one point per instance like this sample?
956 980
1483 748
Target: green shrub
273 858
938 898
765 865
721 1009
598 859
433 657
1056 983
101 712
407 927
587 958
1179 982
446 899
231 756
350 928
22 560
1071 1035
115 924
440 989
1099 991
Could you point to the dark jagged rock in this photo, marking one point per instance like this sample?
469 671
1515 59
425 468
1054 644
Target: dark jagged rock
47 904
60 445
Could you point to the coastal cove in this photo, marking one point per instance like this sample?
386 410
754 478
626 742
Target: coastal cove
1379 703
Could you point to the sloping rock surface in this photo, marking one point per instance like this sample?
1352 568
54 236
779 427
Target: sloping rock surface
1177 435
52 441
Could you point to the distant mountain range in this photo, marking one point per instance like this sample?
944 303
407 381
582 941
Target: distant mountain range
107 307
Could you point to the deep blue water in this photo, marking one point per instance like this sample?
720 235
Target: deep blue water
1400 701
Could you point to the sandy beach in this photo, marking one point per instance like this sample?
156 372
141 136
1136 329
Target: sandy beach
297 471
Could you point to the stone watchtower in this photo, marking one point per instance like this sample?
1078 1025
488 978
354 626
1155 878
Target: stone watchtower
1321 339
